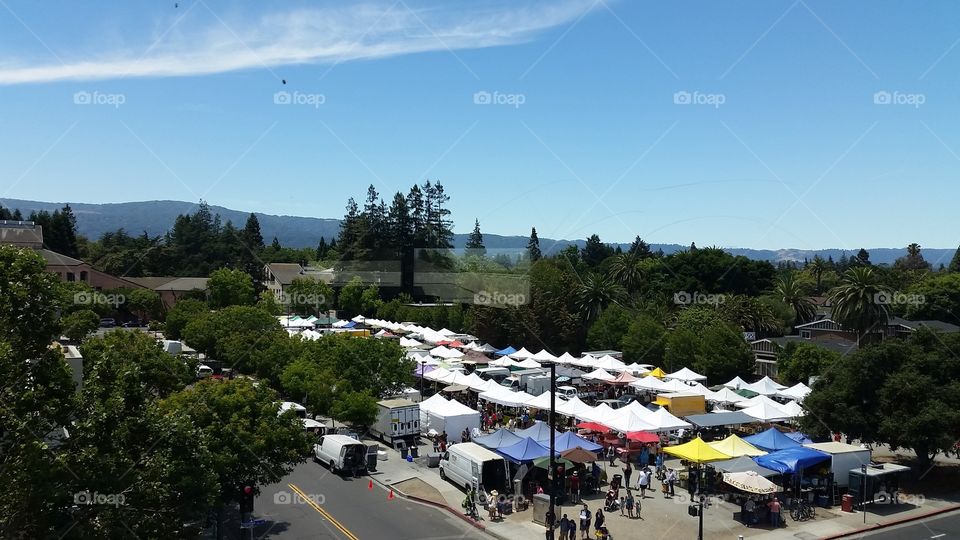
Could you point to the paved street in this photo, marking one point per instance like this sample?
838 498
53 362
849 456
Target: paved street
943 527
312 503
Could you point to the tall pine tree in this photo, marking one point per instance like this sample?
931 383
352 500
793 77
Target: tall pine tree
475 245
955 262
533 246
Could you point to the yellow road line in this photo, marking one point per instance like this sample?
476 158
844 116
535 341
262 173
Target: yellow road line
323 512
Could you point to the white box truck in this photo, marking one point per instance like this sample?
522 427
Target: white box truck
844 457
397 420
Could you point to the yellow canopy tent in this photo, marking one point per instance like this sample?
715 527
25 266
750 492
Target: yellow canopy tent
736 447
658 373
696 451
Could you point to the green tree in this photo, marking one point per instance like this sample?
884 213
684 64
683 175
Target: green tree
474 244
955 262
913 260
594 251
723 354
229 287
797 362
370 299
533 246
267 302
608 331
936 297
627 271
358 408
307 296
818 266
80 324
596 292
790 291
858 302
235 335
145 303
182 313
682 350
645 341
351 296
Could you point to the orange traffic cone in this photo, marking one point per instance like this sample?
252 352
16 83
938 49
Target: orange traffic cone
370 485
390 496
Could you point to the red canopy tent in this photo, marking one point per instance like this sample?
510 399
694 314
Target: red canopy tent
643 437
593 426
622 379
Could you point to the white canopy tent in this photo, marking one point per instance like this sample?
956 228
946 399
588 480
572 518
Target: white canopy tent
522 354
529 363
797 392
445 332
685 374
409 343
626 420
609 363
574 407
637 369
648 383
600 414
542 402
761 399
503 362
565 358
736 383
765 386
544 356
436 374
503 396
598 375
675 385
662 420
359 319
793 408
726 395
767 412
440 414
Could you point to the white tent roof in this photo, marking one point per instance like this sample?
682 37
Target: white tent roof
486 386
359 319
609 363
565 358
522 354
648 383
626 420
797 392
726 395
474 382
685 374
601 413
444 352
544 356
574 407
434 401
485 348
407 342
699 389
504 362
543 401
503 396
756 400
436 374
736 383
637 369
793 408
765 386
767 412
675 385
446 332
340 324
586 361
637 408
529 363
599 375
662 420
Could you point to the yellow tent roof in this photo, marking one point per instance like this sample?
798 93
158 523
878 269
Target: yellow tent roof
736 447
658 373
696 451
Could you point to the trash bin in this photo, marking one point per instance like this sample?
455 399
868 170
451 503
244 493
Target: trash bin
403 451
433 459
414 451
846 503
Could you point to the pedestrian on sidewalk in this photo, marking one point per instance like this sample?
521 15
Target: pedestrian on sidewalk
599 520
643 483
572 529
774 507
671 480
627 473
585 523
629 502
575 487
564 527
611 454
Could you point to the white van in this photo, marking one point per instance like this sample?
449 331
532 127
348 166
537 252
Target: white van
567 392
340 453
471 465
204 371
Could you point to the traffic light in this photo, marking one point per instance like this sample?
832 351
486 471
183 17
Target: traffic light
246 499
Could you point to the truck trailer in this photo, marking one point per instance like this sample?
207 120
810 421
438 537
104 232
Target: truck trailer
397 420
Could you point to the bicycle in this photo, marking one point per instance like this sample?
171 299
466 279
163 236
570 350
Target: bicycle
802 511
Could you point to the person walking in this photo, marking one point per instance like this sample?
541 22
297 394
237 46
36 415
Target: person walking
599 520
572 529
575 487
564 524
627 473
643 483
774 507
611 454
585 523
629 503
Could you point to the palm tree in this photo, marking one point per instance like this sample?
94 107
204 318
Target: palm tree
596 292
790 292
625 271
859 301
749 314
818 266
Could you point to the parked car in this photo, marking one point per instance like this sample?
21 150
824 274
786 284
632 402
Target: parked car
108 323
566 392
132 323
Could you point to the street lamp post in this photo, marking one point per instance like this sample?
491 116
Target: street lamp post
863 492
551 513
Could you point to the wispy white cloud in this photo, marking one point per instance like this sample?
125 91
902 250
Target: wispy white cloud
302 36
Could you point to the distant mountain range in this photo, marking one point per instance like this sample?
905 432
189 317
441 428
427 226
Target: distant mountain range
156 217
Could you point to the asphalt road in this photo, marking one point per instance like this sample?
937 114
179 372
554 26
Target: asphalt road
313 503
942 527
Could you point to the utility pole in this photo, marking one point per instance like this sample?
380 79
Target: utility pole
551 513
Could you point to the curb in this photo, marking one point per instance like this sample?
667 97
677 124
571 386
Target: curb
894 522
434 504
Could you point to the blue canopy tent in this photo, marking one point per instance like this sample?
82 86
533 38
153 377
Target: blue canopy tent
498 439
539 432
523 451
571 440
504 352
771 440
791 460
350 324
799 437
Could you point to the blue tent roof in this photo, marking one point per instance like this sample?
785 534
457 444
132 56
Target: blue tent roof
799 437
498 439
771 440
539 432
525 450
791 460
350 324
504 352
571 440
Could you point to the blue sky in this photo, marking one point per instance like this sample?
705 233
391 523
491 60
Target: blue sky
763 124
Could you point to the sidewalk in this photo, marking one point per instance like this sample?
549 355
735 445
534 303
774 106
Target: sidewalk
660 517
